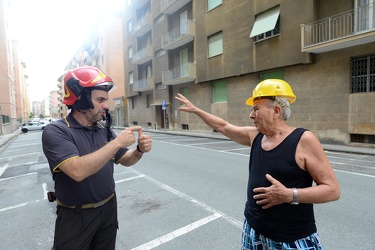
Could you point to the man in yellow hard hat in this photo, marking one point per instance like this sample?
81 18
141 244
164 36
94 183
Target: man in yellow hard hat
284 163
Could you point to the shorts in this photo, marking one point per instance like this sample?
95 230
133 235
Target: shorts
251 240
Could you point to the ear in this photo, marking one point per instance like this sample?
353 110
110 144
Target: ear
277 110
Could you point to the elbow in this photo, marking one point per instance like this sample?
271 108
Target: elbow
337 194
77 177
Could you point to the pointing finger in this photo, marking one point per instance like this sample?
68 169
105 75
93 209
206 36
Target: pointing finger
140 132
135 128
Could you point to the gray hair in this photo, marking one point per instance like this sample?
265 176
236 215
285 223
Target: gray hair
285 107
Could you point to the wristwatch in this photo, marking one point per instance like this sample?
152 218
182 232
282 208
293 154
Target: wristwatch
295 197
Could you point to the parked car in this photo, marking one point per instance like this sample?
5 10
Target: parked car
30 126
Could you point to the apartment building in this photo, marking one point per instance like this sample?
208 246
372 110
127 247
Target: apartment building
14 108
216 51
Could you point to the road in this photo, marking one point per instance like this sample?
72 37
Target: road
187 193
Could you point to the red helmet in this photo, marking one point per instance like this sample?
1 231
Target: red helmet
76 80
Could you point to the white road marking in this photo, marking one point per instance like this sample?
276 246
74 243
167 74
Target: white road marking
129 179
3 168
208 143
191 199
18 205
18 176
353 173
21 155
44 191
181 231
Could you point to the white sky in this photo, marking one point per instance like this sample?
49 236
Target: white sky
50 32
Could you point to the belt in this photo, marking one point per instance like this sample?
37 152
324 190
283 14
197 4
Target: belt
90 205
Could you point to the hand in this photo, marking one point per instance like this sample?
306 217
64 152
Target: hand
126 137
189 107
276 194
144 141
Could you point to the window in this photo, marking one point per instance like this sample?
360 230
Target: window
184 92
129 26
363 74
220 91
211 4
159 53
147 101
159 19
130 52
131 80
272 75
148 71
267 24
215 44
160 86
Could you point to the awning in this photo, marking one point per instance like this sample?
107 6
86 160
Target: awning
265 21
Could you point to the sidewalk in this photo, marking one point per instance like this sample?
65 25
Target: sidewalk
328 147
7 137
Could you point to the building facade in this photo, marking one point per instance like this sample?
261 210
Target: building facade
216 51
14 94
104 50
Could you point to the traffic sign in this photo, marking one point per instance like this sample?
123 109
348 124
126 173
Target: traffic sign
164 104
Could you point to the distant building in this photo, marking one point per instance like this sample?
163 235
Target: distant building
37 108
104 50
53 104
14 94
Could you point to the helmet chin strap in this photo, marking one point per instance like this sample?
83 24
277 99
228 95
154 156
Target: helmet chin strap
108 124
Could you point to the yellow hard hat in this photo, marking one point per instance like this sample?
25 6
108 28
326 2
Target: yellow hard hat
272 88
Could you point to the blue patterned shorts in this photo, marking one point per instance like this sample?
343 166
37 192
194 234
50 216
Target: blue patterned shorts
252 240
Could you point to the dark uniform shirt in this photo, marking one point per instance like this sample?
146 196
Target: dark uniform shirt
284 222
66 139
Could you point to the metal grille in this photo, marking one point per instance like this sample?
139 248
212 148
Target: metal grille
363 74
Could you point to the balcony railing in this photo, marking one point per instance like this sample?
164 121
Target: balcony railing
137 4
143 25
144 84
171 6
347 29
179 36
143 55
181 74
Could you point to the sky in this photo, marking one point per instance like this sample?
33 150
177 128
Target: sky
50 32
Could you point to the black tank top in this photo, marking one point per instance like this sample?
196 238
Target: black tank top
282 222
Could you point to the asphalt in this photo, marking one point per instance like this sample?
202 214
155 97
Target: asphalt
356 149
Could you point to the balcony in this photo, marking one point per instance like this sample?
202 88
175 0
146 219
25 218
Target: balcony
144 84
181 74
143 25
179 36
350 28
143 55
171 6
137 4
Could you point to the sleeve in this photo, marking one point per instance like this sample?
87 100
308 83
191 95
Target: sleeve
58 146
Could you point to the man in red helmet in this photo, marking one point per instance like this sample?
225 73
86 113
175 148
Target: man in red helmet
81 150
284 163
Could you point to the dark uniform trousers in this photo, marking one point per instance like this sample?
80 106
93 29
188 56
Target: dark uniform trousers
91 228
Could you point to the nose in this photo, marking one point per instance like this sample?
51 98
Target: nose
105 104
252 114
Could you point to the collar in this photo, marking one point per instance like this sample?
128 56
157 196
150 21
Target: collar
71 122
